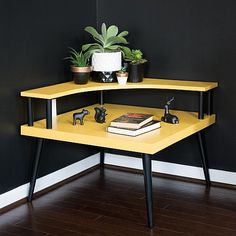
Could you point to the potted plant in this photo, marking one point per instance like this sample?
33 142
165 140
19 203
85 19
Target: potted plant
80 67
122 76
105 52
136 64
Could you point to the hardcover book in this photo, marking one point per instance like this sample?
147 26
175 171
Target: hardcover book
152 125
132 120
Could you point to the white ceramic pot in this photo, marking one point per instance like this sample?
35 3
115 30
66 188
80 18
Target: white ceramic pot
106 61
122 77
122 80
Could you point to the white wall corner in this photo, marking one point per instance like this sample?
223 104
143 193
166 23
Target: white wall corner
219 176
49 180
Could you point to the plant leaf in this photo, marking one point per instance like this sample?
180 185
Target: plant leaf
93 49
123 33
89 45
126 50
90 53
98 37
115 40
86 46
127 53
112 31
72 50
77 58
113 47
104 31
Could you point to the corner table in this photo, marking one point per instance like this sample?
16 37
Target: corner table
91 133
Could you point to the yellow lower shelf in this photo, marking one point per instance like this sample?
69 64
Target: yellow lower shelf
95 134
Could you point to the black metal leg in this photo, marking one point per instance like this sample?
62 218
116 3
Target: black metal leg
35 168
202 144
30 112
147 171
102 157
49 114
201 106
209 102
101 98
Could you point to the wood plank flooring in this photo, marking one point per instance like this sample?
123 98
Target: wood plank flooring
112 203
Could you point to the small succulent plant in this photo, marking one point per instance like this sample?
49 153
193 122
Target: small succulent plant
134 56
78 59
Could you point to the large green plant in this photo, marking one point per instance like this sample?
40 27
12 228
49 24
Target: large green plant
78 59
107 41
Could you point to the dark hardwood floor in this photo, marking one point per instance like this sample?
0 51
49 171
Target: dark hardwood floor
113 203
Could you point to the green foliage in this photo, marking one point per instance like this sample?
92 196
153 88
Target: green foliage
135 56
107 41
123 69
78 59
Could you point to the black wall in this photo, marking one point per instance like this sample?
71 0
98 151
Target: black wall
34 39
191 40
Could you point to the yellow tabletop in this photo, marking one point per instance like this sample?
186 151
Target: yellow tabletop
69 88
95 134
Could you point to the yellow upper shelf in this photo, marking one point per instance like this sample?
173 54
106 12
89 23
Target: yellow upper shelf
69 88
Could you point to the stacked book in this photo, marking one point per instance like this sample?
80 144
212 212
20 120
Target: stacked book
133 124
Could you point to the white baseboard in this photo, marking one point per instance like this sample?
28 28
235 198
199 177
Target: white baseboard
48 180
219 176
116 160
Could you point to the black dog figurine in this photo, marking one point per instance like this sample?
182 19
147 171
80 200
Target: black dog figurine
100 114
168 118
80 116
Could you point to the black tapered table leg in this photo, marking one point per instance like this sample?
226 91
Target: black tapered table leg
147 171
202 145
102 157
35 168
